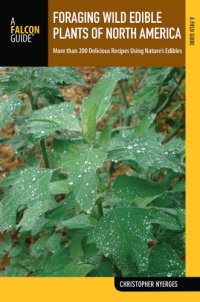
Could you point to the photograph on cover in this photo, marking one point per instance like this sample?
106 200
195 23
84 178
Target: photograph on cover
92 171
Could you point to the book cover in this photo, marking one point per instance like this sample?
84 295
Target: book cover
97 197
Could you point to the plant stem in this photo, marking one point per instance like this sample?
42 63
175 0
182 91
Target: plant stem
31 98
124 94
34 106
128 122
171 95
173 133
117 272
99 208
44 153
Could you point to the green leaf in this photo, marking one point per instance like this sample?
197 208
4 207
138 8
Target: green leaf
9 86
146 126
176 146
29 194
60 264
164 262
8 107
46 242
40 226
77 222
44 122
77 270
147 151
105 135
5 246
98 102
55 76
179 186
53 265
167 218
166 201
104 270
59 187
76 248
137 190
80 161
8 181
64 210
181 217
123 234
148 94
177 242
14 270
44 80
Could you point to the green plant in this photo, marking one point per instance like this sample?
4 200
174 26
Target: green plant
110 200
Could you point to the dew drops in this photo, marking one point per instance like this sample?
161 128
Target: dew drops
169 275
